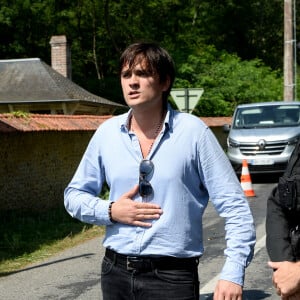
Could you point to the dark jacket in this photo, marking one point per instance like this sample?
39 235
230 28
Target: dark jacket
280 229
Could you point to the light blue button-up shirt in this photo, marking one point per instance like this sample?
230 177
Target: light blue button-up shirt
190 168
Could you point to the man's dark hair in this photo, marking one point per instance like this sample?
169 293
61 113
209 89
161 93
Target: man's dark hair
158 61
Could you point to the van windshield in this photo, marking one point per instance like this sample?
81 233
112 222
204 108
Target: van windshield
267 116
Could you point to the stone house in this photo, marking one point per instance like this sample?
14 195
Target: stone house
39 151
30 85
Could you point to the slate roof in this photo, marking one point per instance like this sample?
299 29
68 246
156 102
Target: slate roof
33 81
35 122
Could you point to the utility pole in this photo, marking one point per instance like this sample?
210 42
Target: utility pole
289 42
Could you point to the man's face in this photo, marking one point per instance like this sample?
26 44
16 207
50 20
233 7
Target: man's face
140 87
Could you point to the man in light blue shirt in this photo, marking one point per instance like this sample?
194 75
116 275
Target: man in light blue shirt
162 166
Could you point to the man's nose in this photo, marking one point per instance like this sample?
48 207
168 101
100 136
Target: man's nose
134 86
134 83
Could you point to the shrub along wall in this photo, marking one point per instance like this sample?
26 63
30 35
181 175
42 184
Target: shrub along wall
35 167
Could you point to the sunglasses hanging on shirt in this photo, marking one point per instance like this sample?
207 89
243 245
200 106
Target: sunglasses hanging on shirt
145 187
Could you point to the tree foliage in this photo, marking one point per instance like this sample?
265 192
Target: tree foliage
231 48
228 81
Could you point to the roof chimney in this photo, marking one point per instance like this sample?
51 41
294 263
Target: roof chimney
61 55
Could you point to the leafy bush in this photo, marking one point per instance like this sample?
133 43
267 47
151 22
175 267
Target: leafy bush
227 81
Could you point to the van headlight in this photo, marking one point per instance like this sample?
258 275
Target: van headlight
232 143
293 141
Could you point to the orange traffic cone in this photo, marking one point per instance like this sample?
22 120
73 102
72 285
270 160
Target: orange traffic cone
246 180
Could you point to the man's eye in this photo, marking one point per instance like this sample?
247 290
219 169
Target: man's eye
126 74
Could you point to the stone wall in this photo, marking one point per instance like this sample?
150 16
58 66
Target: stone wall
36 167
221 136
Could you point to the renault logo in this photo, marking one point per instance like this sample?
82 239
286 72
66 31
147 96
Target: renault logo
261 144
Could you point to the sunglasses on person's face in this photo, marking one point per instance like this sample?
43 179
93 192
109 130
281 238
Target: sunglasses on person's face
146 168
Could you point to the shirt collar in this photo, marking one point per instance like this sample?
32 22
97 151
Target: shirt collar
125 119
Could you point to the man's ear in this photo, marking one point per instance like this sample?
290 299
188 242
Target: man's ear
166 84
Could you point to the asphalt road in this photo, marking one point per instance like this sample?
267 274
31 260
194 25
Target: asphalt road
75 273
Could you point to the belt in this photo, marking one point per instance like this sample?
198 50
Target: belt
147 264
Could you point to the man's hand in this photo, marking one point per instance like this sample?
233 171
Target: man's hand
127 211
226 290
295 296
286 278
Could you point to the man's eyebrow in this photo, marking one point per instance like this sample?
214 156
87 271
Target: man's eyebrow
126 72
143 72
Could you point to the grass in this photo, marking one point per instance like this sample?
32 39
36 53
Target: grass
28 237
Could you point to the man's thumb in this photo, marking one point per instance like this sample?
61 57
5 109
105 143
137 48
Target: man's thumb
133 191
273 265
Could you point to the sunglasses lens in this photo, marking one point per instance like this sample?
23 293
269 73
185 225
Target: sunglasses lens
146 167
145 188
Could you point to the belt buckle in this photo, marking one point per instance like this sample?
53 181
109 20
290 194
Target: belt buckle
133 263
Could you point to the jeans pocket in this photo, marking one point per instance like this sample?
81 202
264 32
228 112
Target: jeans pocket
106 266
175 276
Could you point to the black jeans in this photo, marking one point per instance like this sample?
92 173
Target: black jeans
117 283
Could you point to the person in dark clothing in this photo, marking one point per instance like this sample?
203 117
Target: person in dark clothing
283 246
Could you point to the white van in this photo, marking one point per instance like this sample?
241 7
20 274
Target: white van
265 134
